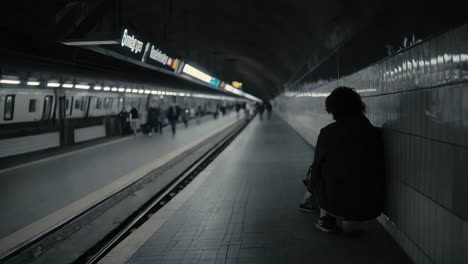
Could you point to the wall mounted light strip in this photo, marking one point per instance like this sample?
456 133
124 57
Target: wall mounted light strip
6 81
53 84
33 83
82 86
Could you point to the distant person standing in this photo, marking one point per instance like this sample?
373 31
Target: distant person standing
124 118
173 114
153 120
161 118
185 116
260 110
269 108
238 107
247 110
198 114
134 117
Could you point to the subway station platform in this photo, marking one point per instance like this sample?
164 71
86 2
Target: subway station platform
42 193
243 208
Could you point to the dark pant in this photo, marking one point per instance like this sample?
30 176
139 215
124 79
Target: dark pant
157 127
160 127
173 127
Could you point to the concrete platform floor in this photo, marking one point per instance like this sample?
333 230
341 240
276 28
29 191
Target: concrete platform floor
244 209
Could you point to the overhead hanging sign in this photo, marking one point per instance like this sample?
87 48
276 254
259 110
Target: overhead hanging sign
214 82
130 42
135 47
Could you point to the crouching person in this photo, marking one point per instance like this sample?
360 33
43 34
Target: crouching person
347 174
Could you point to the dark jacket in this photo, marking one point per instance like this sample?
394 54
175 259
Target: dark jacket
173 113
153 115
134 113
347 172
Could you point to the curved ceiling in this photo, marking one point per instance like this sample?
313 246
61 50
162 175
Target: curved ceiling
259 43
262 44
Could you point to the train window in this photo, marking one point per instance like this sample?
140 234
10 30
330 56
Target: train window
47 107
107 103
32 105
77 104
9 107
98 103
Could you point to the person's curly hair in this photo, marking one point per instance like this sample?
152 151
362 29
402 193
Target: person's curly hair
344 100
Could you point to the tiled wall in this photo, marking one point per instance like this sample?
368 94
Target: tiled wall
420 99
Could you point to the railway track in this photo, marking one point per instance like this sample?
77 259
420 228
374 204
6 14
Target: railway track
44 247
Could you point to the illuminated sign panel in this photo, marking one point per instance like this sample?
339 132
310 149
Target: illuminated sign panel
194 72
214 82
131 42
237 85
135 47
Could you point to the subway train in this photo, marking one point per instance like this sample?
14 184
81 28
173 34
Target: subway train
33 119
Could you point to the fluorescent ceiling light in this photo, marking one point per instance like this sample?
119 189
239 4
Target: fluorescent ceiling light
107 88
6 81
192 71
33 83
154 92
90 43
53 84
82 86
135 91
114 89
97 88
67 85
128 90
147 92
141 91
121 89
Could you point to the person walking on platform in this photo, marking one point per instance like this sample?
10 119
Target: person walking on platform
134 120
247 110
346 177
198 114
173 114
269 108
260 110
161 118
238 107
153 120
124 119
185 116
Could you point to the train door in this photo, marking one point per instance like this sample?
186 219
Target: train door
7 107
47 107
85 104
62 112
